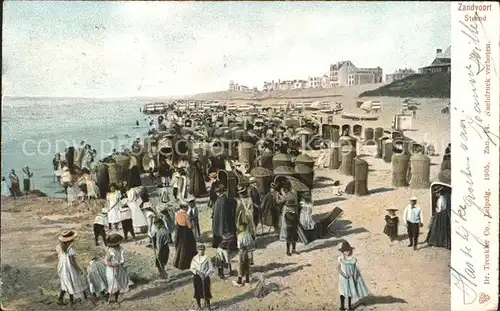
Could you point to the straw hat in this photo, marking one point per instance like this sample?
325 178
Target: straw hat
392 209
104 211
114 239
190 198
183 203
346 247
67 236
252 180
413 198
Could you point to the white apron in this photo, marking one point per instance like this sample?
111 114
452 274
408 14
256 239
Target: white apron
138 219
114 206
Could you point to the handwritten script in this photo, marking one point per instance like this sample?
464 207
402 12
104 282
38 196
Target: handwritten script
471 124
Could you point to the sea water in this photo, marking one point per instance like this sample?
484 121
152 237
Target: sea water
34 129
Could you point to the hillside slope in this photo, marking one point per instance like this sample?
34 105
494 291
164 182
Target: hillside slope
284 94
436 85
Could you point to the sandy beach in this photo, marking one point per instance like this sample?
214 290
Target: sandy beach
398 277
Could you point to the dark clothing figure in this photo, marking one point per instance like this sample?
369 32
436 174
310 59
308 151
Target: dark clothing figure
152 176
134 178
197 176
447 153
185 244
70 159
202 288
201 267
162 251
290 220
270 211
439 234
254 194
99 231
126 221
212 195
219 222
193 218
391 226
291 223
440 231
128 227
413 232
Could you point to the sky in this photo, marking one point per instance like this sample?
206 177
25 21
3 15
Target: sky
134 49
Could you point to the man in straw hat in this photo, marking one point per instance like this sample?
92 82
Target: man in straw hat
246 246
253 193
413 219
117 278
160 246
71 275
351 282
150 215
202 269
245 210
100 223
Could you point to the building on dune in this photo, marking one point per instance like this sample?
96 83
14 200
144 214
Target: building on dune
441 63
345 73
399 74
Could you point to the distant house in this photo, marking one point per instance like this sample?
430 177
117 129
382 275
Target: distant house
235 87
398 75
440 64
299 84
345 73
314 82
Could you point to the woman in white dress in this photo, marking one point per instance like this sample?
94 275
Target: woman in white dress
71 275
92 189
117 278
134 203
113 197
306 206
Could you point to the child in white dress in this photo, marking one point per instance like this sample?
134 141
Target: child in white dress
351 283
96 276
114 203
118 280
70 274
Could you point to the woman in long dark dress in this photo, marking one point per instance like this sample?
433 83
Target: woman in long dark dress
440 231
197 187
134 179
70 158
290 218
185 243
270 210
